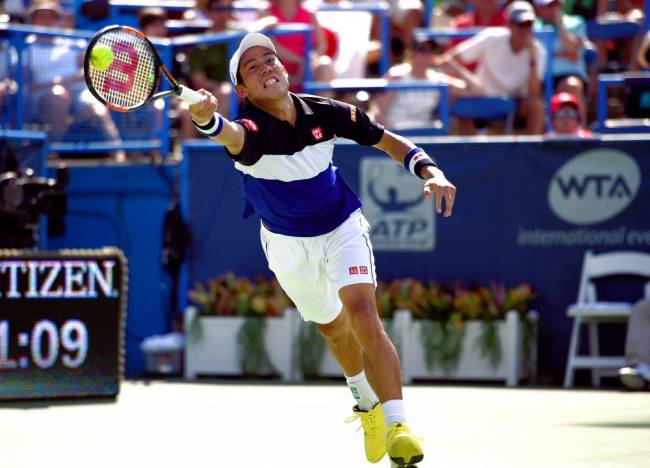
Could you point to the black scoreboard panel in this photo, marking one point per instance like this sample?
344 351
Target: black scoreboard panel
62 317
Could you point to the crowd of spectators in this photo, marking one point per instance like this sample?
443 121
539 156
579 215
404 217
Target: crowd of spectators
503 59
58 100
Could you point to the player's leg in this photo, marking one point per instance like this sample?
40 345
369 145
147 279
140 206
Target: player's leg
343 344
347 352
304 279
381 360
379 355
351 268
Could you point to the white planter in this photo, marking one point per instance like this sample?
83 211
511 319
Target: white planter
215 352
471 365
405 333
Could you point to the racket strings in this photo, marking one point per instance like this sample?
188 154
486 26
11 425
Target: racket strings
130 79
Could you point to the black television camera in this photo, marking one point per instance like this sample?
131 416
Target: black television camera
24 197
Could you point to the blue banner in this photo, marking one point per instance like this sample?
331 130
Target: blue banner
525 210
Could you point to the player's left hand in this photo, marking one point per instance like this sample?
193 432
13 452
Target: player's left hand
437 184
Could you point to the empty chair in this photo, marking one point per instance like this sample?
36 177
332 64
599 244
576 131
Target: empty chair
590 311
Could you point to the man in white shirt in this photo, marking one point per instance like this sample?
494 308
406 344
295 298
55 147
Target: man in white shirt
510 62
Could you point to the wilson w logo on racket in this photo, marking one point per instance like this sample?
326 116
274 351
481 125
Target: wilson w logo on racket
120 76
122 70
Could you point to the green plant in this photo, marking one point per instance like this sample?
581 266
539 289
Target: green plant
445 307
229 295
311 348
442 307
489 344
442 342
251 348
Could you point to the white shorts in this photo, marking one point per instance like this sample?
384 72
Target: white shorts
311 270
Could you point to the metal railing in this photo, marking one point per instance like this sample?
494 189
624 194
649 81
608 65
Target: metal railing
607 80
144 130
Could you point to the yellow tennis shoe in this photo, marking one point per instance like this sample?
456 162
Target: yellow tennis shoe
374 431
404 449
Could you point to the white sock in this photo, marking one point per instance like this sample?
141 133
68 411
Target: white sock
393 411
362 391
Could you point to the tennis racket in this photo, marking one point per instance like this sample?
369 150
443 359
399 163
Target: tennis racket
131 72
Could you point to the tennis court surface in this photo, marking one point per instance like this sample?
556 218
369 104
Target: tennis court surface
215 424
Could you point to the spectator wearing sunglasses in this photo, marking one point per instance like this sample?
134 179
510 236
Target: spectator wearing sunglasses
566 118
511 62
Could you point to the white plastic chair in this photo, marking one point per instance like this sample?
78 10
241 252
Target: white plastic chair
588 310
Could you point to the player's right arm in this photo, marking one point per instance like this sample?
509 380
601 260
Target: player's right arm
206 119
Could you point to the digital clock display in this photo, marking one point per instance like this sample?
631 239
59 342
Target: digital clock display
61 323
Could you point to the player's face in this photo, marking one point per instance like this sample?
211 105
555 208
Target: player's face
263 76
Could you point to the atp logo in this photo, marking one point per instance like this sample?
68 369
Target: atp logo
594 186
401 219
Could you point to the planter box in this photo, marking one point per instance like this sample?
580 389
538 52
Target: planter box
215 351
471 365
405 333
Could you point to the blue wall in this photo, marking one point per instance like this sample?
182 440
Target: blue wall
124 206
513 221
504 227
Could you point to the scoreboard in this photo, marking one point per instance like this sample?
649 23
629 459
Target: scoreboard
62 317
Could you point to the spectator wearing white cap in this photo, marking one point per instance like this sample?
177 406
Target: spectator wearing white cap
569 67
511 62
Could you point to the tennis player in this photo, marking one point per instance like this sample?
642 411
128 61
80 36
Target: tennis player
312 231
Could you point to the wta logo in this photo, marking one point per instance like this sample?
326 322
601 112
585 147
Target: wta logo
594 186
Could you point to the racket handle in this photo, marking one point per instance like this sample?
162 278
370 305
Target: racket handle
189 95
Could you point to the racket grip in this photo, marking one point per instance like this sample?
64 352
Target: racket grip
189 95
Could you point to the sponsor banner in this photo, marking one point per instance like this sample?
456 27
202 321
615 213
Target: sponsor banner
525 211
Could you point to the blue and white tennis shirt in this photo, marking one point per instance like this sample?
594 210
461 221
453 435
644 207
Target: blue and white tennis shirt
287 172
